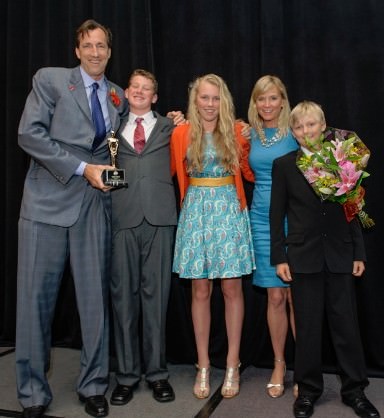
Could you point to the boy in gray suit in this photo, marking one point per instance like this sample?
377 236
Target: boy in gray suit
143 224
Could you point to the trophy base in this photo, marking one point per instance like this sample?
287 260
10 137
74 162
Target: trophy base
114 178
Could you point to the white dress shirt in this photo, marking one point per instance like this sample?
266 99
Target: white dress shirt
149 121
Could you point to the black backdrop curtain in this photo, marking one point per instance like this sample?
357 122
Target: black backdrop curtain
329 51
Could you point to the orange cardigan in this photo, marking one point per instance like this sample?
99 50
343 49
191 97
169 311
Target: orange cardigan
179 145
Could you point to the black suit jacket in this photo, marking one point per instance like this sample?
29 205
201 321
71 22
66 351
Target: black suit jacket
319 234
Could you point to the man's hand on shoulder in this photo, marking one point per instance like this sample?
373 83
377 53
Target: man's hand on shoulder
177 116
246 129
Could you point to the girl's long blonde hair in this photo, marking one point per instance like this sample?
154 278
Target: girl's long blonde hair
224 133
262 85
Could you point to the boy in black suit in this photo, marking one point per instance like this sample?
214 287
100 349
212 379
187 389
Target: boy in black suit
320 255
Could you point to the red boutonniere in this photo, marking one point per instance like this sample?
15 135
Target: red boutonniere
115 97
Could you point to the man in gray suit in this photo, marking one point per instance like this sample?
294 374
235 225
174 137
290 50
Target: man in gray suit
143 223
65 214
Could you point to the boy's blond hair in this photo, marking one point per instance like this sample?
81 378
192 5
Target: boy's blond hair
306 108
145 74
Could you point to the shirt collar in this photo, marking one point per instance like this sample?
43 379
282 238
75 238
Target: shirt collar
148 117
306 151
88 80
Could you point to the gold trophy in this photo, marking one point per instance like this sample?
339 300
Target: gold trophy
114 177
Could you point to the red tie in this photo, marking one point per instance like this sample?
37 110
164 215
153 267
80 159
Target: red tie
139 136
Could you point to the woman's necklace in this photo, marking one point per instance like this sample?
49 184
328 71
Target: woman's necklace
268 142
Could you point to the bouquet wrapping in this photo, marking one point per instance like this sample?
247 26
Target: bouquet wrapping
335 168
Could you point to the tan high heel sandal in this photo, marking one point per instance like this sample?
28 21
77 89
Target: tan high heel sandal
231 384
275 390
201 389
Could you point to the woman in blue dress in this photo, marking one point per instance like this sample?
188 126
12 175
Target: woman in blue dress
213 239
268 116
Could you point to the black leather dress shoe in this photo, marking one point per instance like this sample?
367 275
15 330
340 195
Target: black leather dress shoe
303 407
162 390
36 411
122 394
97 405
362 406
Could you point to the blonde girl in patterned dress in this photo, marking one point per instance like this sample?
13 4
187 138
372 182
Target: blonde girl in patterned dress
213 239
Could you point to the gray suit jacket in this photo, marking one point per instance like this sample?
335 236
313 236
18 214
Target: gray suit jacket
56 130
150 193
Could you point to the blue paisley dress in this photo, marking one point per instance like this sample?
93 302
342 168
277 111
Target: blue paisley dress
213 238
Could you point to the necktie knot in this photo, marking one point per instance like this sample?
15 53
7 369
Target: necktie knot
139 136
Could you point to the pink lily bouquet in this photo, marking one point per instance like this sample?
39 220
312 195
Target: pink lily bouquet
336 169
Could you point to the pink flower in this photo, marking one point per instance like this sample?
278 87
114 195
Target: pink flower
313 173
338 152
348 176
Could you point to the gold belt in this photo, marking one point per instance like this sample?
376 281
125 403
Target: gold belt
211 181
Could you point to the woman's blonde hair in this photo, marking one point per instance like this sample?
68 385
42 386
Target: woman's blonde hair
224 133
261 86
305 108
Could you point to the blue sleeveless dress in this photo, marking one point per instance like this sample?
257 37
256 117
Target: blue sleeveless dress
213 238
260 160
